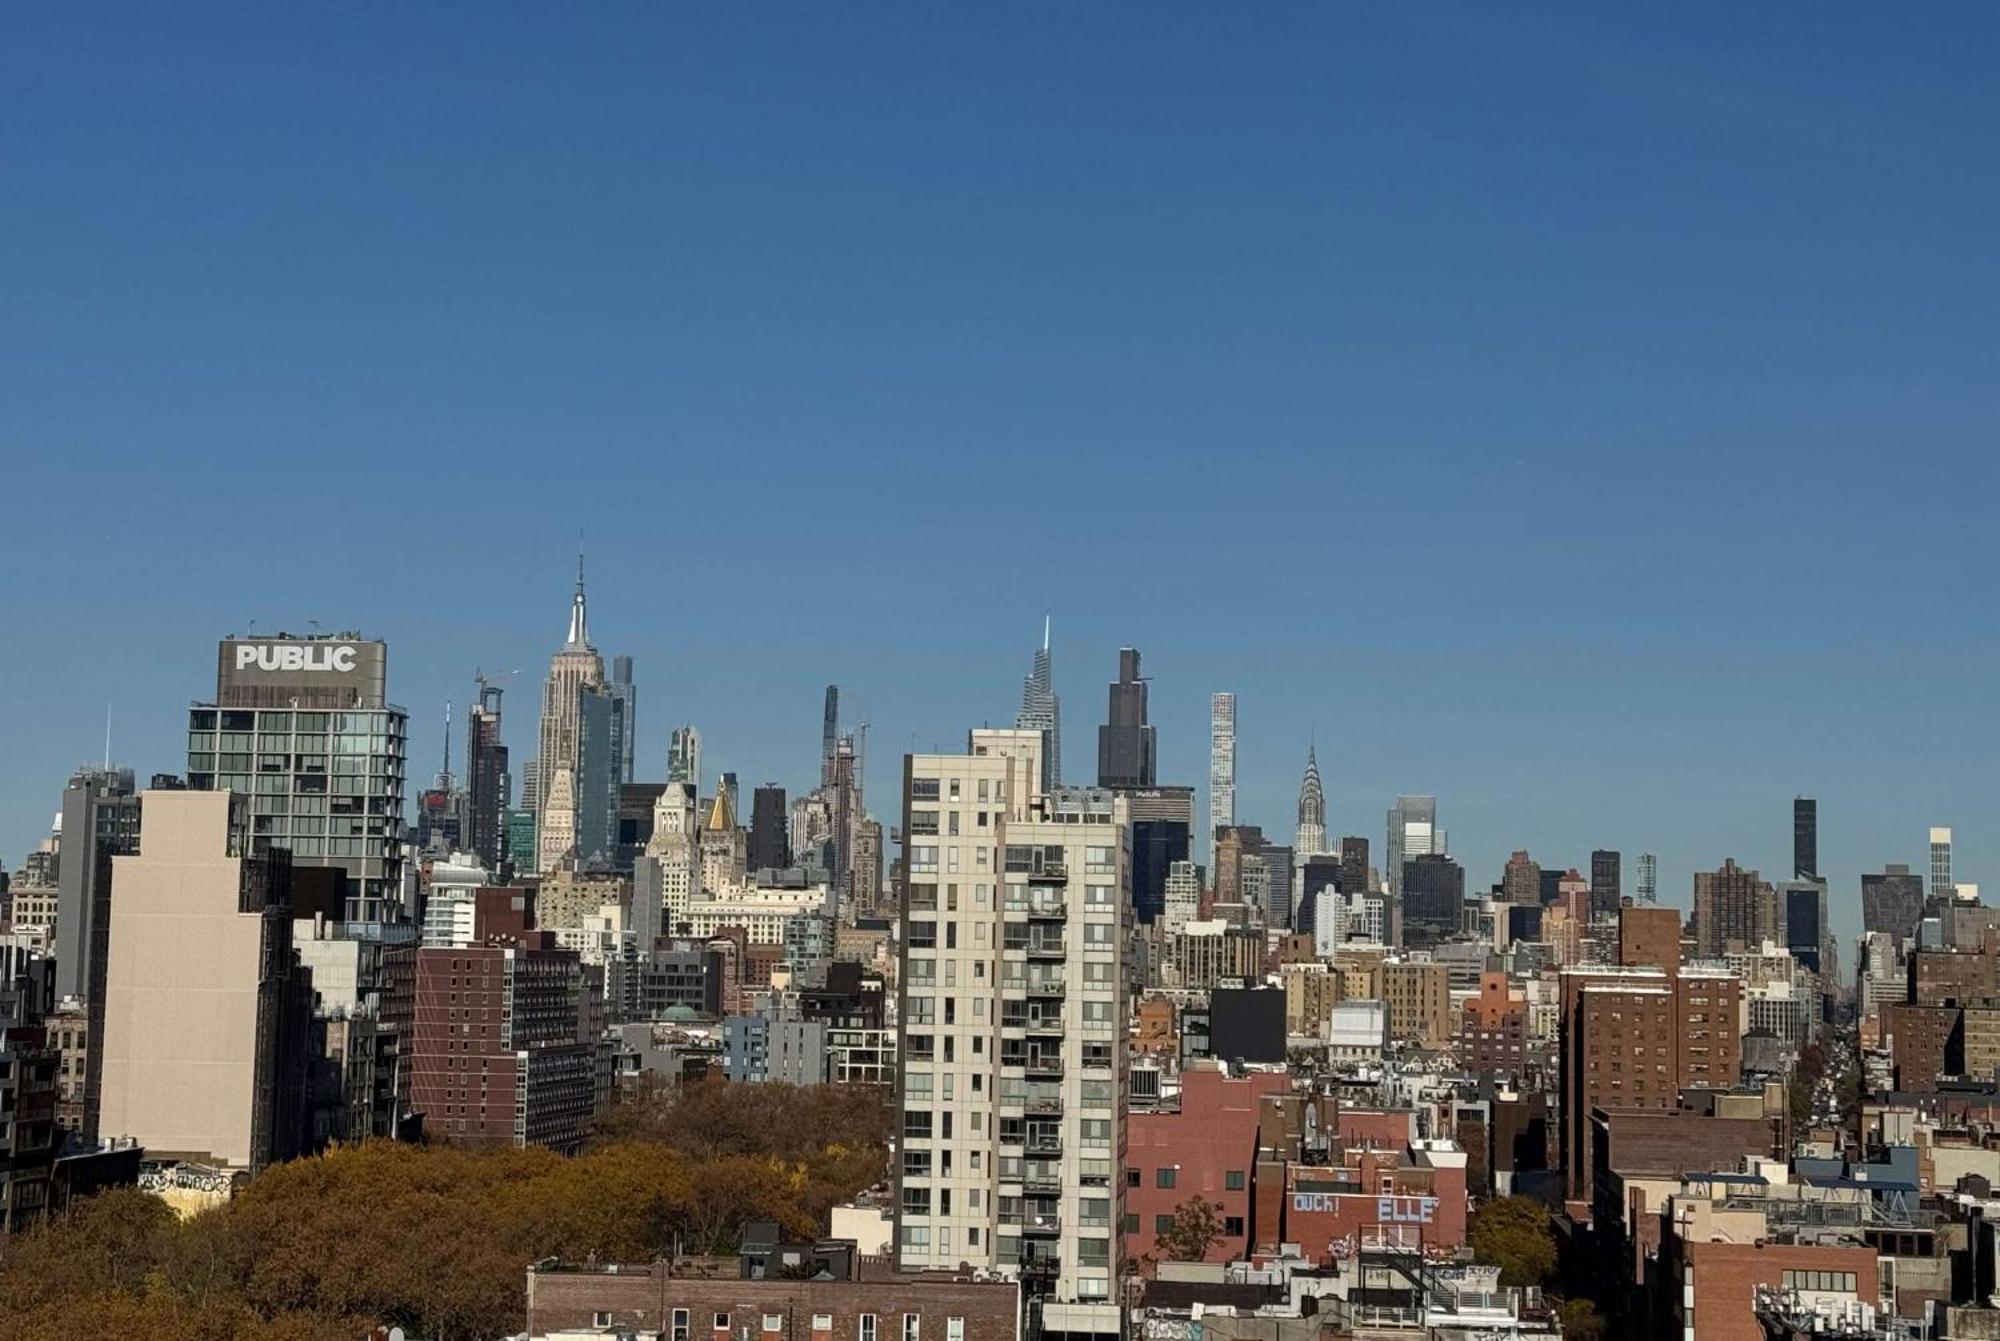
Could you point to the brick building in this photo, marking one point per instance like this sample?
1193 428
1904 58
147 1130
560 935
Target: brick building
505 1043
1708 1289
716 1300
1418 996
1634 1038
1493 1031
1926 1043
1205 1148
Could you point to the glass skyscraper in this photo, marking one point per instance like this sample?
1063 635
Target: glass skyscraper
301 727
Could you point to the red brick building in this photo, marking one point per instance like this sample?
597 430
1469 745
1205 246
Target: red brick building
1205 1148
1634 1038
504 1045
706 1300
1493 1029
1709 1288
1412 1194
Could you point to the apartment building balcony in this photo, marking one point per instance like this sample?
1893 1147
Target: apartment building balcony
1045 988
1049 873
1051 949
1045 1066
1041 1225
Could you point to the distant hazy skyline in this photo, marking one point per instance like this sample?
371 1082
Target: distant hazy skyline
1587 416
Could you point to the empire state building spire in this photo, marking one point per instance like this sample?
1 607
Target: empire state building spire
1312 808
579 616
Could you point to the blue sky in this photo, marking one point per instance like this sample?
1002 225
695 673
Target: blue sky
1586 415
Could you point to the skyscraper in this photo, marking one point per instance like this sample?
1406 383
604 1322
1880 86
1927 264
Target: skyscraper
1805 838
1942 884
1312 809
1521 880
1646 879
684 756
626 719
1041 710
576 675
1413 832
1734 910
667 878
302 726
829 734
1892 901
769 847
1221 764
1162 820
1126 745
1010 1111
1606 885
1433 899
486 777
100 821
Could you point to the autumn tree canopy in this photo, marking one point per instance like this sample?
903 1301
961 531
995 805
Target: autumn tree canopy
437 1239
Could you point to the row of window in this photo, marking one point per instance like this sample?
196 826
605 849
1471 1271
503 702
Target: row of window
926 789
1828 1281
239 719
1168 1176
772 1324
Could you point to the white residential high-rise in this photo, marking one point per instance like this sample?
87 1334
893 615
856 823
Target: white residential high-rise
1942 884
1221 764
1311 841
1648 882
1041 710
1016 908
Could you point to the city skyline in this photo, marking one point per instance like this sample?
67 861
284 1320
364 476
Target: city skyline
1481 845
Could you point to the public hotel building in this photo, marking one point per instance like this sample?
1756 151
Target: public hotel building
302 726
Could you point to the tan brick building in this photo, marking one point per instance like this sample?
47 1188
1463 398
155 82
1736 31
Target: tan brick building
1418 997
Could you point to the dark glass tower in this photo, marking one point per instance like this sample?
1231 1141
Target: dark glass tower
770 847
1127 748
1156 845
1606 883
1805 838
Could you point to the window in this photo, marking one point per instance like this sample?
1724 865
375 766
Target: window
1131 1177
1232 1225
866 1332
954 1329
680 1328
600 1319
722 1322
822 1322
1165 1177
1163 1224
913 1326
1233 1180
774 1322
